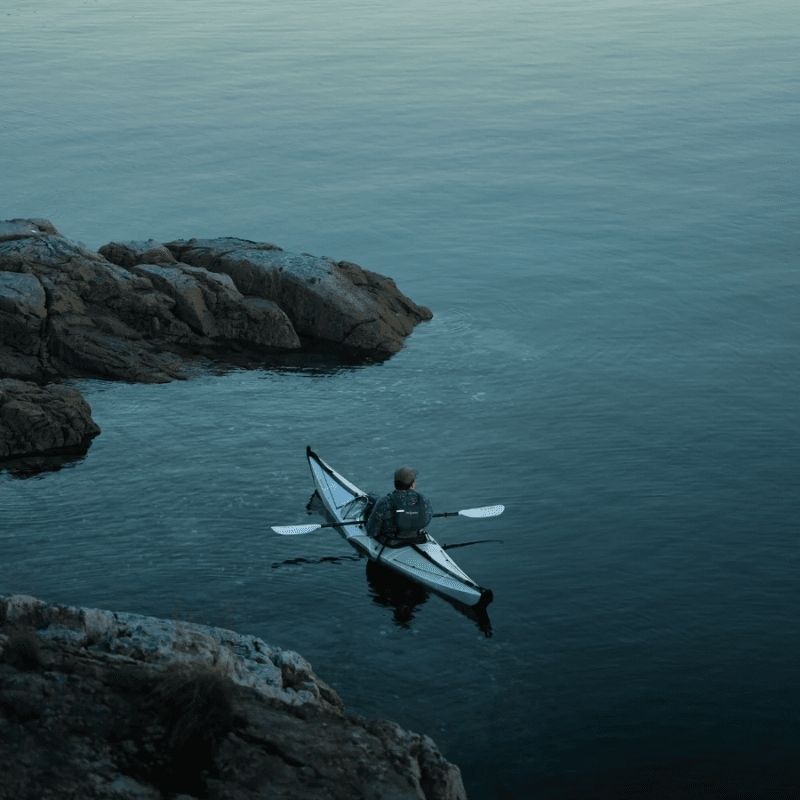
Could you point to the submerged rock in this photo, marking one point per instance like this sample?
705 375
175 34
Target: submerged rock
43 419
98 704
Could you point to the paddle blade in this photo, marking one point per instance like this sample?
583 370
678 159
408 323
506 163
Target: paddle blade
294 530
483 512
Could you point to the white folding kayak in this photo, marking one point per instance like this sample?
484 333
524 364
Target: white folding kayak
427 563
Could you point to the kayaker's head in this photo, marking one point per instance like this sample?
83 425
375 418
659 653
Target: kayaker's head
405 478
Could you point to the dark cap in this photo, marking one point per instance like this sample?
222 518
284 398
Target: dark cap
405 476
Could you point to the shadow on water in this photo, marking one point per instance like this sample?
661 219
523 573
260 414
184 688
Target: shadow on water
299 562
314 359
38 466
390 589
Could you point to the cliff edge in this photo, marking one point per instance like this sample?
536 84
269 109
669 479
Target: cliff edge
100 705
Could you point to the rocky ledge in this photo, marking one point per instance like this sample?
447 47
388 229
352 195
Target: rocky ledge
138 311
37 419
96 704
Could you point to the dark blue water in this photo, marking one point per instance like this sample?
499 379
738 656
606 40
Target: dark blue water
599 201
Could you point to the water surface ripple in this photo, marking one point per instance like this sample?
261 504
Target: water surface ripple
599 202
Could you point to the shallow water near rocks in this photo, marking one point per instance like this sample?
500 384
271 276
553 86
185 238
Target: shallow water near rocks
598 201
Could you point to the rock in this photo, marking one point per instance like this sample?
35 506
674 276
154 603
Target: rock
334 301
129 254
36 419
24 228
212 306
136 311
22 320
98 317
102 705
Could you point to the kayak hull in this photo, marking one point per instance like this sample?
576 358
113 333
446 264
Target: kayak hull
427 563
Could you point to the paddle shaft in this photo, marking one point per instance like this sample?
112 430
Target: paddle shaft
474 513
362 521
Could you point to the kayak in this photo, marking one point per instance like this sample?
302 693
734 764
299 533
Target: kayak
427 562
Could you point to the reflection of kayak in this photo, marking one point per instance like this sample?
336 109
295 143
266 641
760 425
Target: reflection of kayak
390 589
427 563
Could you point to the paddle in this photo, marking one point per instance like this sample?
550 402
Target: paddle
472 513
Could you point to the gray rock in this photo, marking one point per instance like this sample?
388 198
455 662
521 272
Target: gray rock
36 419
22 321
129 254
136 311
128 311
98 316
110 705
211 305
334 301
186 291
24 228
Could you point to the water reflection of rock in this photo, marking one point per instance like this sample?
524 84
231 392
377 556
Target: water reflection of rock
34 466
391 589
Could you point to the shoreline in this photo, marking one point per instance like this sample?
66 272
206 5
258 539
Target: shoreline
149 312
109 704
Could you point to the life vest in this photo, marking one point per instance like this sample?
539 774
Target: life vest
407 517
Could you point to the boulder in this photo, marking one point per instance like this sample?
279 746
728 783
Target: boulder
133 310
24 228
98 318
103 705
332 301
212 306
37 419
129 254
136 311
23 312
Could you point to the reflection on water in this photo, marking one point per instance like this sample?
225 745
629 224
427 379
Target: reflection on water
300 562
316 358
469 544
391 589
39 465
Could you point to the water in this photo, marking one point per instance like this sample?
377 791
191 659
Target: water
599 202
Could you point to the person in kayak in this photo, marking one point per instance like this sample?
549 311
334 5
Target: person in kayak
400 517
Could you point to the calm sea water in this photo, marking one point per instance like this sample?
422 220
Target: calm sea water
599 201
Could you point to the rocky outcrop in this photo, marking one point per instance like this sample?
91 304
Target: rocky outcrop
136 311
43 419
133 310
328 300
23 312
95 704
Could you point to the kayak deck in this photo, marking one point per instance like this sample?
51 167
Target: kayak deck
426 563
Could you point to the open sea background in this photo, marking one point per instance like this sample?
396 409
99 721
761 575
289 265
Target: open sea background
599 201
